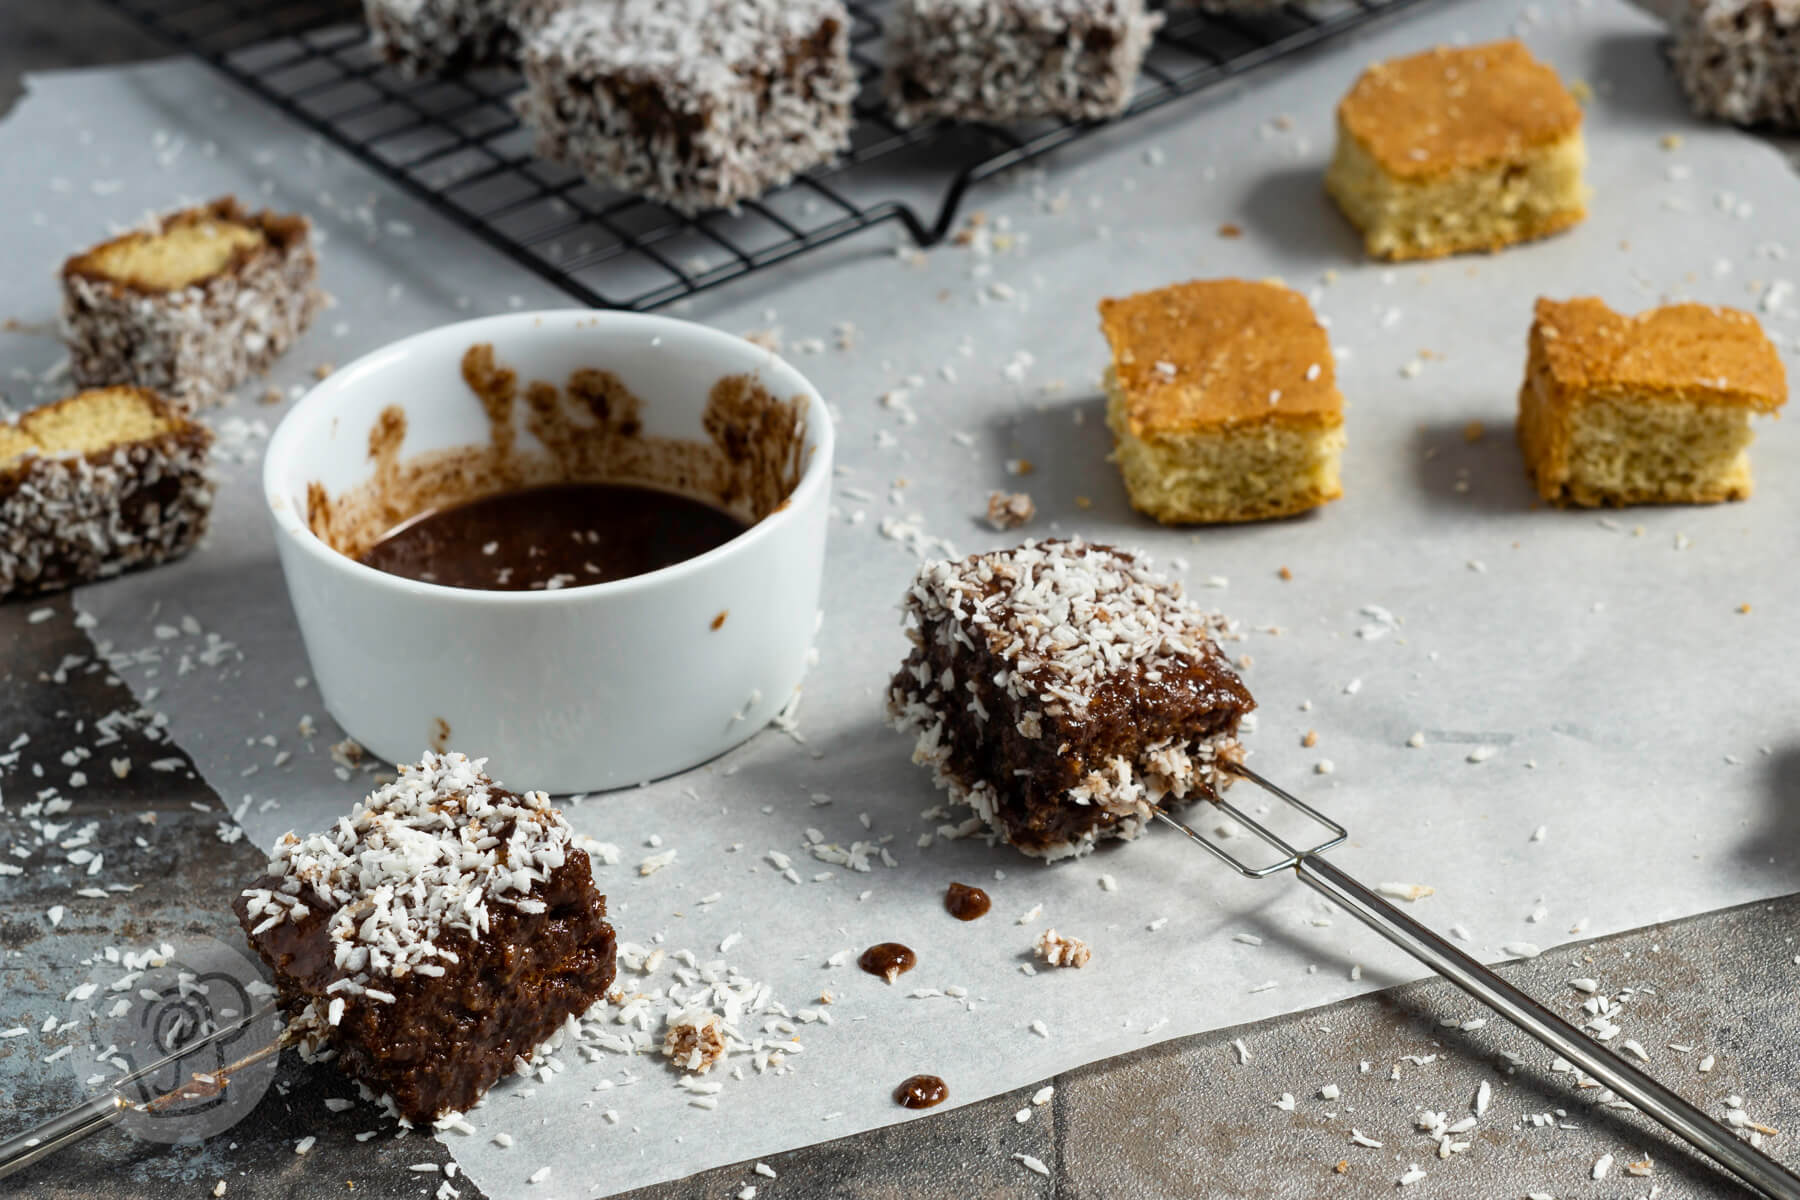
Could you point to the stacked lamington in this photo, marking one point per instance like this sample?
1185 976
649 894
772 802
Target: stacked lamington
435 936
1007 60
1061 689
97 484
192 304
1740 59
699 104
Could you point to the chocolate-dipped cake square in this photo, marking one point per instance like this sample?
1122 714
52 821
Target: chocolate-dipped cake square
1061 688
430 36
192 304
1646 409
99 483
698 104
435 936
1739 60
1009 60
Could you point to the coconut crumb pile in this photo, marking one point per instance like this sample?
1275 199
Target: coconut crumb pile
1010 510
1060 951
694 1041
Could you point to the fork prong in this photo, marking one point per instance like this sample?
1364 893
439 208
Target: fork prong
1291 857
1339 833
1206 843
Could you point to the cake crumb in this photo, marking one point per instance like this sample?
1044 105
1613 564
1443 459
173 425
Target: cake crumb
1229 230
1059 951
1010 510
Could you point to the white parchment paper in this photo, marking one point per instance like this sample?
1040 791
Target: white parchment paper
1635 715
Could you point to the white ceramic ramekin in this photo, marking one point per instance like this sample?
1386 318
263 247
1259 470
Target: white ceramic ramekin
571 690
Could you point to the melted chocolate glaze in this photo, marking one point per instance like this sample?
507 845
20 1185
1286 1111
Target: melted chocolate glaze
921 1091
888 959
563 535
966 903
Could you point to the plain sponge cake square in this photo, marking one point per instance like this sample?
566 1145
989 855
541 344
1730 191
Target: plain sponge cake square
1223 401
1456 150
1648 409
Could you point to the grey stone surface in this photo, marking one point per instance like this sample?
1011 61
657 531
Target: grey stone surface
1182 1119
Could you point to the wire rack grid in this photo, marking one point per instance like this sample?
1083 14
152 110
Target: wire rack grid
456 143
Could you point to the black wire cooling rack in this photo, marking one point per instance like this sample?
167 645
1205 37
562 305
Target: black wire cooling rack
455 143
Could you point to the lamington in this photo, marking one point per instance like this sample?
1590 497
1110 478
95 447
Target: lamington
435 936
429 37
697 104
97 484
1061 689
1010 60
1739 60
1647 409
192 304
1458 149
1223 401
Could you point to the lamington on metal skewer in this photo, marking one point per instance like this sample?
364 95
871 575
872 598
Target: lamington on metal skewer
1061 688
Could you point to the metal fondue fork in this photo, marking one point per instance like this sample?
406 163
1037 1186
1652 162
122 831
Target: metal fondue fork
1662 1105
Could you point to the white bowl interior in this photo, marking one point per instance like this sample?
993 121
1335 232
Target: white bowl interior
670 365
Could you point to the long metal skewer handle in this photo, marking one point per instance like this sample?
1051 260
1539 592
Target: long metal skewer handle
1656 1101
107 1109
82 1121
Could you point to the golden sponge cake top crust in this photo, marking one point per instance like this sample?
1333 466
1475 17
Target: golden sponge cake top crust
1693 352
91 422
1220 352
186 248
1456 107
